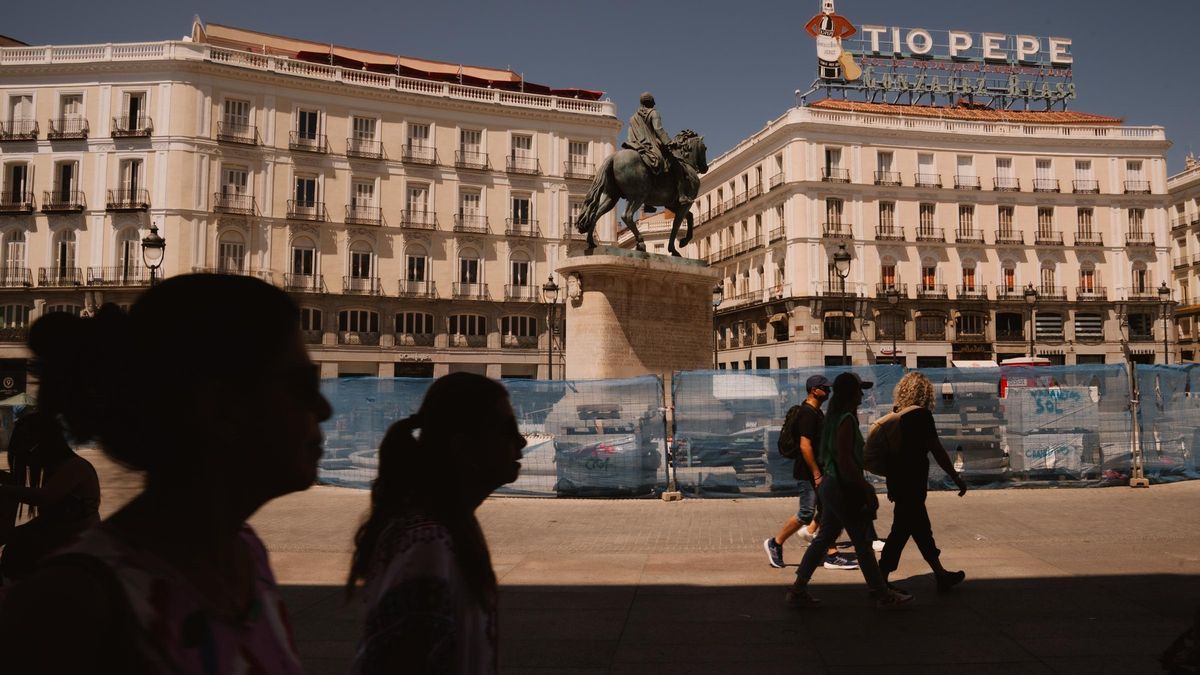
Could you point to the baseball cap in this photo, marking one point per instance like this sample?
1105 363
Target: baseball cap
818 381
849 380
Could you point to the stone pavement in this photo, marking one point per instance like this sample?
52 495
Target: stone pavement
1084 580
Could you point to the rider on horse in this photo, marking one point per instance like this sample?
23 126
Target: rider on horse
647 137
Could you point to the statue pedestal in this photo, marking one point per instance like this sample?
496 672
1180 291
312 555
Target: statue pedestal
632 313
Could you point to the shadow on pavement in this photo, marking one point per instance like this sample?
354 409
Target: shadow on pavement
1100 624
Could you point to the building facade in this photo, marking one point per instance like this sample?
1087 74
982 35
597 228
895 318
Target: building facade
413 216
1184 212
973 235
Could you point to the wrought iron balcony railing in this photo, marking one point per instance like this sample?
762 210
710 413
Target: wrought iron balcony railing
471 159
1085 186
1050 292
518 292
418 219
60 277
521 227
1010 237
1006 184
465 222
925 233
927 180
355 285
1089 239
971 292
306 209
833 174
67 128
410 288
1137 187
1046 237
306 142
242 134
16 277
775 181
134 274
968 236
1139 238
837 289
932 291
304 283
519 341
414 339
16 202
528 166
1045 185
881 290
578 169
126 199
364 148
470 290
1091 293
137 126
890 178
889 233
19 130
470 341
358 338
776 234
966 182
234 202
419 154
357 214
836 230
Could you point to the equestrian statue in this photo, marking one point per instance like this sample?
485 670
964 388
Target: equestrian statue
651 170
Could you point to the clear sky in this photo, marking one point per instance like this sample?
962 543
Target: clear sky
722 68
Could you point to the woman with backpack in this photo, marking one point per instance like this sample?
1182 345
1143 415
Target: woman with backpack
908 480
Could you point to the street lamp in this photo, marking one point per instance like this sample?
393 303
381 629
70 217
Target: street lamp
1031 298
718 294
1164 297
841 267
893 298
550 297
153 249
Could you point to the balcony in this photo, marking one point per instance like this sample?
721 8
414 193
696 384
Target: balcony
1137 187
1047 238
1006 184
739 199
1139 238
306 142
927 180
836 289
888 178
521 227
1010 293
306 209
1010 237
1180 262
776 234
833 174
138 126
527 166
68 128
470 290
1142 294
16 203
775 181
1045 185
134 274
469 341
19 130
519 342
965 236
60 277
363 215
358 338
569 233
889 233
304 283
1052 293
465 222
836 231
881 290
126 199
579 170
1091 294
932 291
238 268
417 289
931 234
1085 187
519 292
16 277
966 183
1179 223
364 148
418 219
16 334
471 159
414 339
240 134
1089 239
971 292
233 202
754 191
353 285
419 154
1010 335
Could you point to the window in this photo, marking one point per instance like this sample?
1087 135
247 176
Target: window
833 160
1089 327
833 212
926 171
1133 171
1083 218
1010 326
577 152
575 208
969 325
308 123
18 182
1004 216
66 177
968 277
469 202
231 253
304 254
1048 325
887 275
417 200
519 326
418 135
1008 276
235 115
1141 280
887 217
837 327
234 181
414 323
363 129
310 319
467 324
1048 280
64 253
129 254
470 141
306 192
362 194
1087 280
966 220
131 177
358 321
966 166
14 316
1083 171
14 253
1045 223
416 264
135 109
889 325
70 107
1137 218
522 209
468 267
1044 169
519 270
929 276
361 259
926 220
522 146
74 310
1141 326
884 162
1005 179
931 327
20 108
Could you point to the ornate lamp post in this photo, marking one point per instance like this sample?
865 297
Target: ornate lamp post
550 297
893 298
153 249
1031 298
718 294
841 267
1164 297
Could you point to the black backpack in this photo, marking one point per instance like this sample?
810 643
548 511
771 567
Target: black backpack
789 443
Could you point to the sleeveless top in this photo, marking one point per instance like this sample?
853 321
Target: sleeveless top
829 445
172 628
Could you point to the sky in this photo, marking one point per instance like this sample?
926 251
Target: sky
721 68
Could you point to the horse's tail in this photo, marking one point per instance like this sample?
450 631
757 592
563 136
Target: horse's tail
591 203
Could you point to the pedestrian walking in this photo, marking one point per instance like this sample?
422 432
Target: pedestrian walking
421 561
908 480
849 501
803 428
206 388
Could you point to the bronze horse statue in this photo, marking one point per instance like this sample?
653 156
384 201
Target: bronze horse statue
625 176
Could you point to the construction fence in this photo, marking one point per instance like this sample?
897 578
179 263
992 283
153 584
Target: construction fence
714 433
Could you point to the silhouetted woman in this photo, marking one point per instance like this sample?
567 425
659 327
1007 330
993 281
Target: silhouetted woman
421 560
205 387
59 488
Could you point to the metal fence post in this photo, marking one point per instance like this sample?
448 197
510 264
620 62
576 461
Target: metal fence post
1137 476
668 386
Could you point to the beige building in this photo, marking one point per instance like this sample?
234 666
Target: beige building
953 213
1184 213
413 208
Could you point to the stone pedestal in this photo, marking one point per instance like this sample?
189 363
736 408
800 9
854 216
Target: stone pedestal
632 313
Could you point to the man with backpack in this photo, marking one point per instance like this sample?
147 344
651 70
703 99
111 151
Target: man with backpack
798 441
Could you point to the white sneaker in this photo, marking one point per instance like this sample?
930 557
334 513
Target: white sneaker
806 535
877 545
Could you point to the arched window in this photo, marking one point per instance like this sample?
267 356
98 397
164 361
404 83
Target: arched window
1048 325
468 330
970 326
519 331
931 327
231 252
1010 327
361 260
74 310
14 317
358 327
416 263
520 277
414 328
1089 327
311 320
1008 278
470 275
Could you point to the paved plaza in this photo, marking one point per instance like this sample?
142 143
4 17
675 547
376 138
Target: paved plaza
1084 580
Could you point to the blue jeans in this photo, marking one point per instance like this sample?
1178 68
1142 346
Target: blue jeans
834 517
808 502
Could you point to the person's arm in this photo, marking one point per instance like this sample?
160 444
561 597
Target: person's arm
809 457
848 469
942 457
813 27
56 488
657 127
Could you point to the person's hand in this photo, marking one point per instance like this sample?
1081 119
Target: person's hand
962 484
817 479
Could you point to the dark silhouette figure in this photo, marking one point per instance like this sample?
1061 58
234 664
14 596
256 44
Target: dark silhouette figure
58 488
205 387
908 481
421 561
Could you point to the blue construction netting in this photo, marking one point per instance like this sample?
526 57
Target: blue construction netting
1170 421
594 438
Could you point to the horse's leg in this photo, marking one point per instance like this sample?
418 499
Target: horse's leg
605 204
687 239
674 233
631 207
